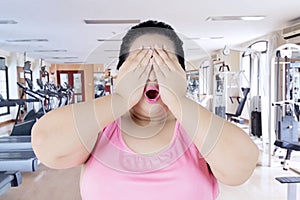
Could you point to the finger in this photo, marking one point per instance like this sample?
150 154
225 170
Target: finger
146 59
165 57
143 54
160 63
158 72
133 53
145 64
145 74
134 58
142 68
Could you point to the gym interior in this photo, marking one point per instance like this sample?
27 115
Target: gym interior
242 63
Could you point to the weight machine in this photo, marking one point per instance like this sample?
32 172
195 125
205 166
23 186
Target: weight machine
287 100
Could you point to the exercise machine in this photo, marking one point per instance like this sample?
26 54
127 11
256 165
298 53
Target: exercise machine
221 72
8 180
11 143
18 160
287 69
255 114
241 103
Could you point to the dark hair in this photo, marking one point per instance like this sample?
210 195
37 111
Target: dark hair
150 27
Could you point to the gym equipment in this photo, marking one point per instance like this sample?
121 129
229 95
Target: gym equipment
20 160
8 180
255 116
99 90
287 100
239 110
4 84
192 78
10 143
22 128
220 92
44 74
292 186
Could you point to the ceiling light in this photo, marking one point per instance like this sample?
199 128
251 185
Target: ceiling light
49 51
233 18
28 40
121 21
79 62
206 38
8 22
211 38
63 57
252 18
109 40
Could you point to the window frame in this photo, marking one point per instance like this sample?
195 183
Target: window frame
5 68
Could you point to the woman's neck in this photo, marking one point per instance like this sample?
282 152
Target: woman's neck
158 119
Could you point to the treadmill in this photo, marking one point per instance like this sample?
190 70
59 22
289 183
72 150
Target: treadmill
16 154
18 160
8 180
11 143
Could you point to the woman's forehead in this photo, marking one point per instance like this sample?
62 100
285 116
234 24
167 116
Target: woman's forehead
150 40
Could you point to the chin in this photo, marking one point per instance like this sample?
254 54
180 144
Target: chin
151 109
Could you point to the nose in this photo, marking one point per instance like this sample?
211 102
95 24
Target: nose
152 76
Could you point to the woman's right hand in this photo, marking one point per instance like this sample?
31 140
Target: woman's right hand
133 75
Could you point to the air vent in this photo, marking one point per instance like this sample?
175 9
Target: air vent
28 40
291 32
97 21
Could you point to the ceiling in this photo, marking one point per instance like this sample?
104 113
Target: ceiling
70 40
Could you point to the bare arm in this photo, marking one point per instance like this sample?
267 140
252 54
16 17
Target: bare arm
65 137
228 150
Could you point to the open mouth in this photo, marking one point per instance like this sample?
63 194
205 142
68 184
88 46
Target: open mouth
152 94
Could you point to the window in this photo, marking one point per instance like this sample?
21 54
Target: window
3 85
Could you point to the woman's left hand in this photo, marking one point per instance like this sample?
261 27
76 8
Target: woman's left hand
171 78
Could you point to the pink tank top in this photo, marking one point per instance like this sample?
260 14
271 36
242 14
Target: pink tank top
115 172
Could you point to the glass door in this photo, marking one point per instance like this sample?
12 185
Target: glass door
75 79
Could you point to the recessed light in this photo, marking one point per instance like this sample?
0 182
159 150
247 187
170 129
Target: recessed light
71 62
211 38
28 40
252 18
233 18
63 57
49 51
109 40
119 21
8 22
